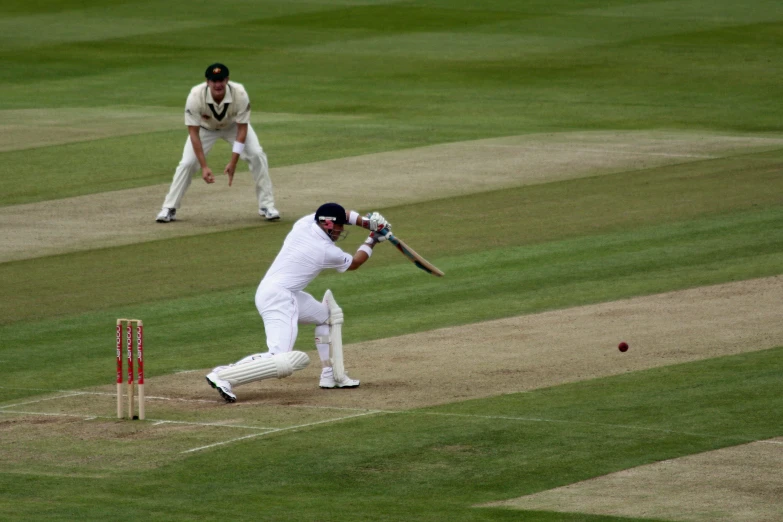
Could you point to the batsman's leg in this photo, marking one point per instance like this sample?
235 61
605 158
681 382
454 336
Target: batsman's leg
280 366
336 378
335 323
278 309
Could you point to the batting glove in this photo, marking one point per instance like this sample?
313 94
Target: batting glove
377 237
377 222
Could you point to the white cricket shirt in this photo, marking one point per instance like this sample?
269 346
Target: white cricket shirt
307 251
202 110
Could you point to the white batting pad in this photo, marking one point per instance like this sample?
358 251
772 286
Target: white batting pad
335 312
299 360
338 365
335 335
278 366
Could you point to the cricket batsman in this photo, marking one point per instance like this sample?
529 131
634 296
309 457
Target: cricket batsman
283 304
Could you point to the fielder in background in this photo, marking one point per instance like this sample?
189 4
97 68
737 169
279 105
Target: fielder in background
219 109
283 304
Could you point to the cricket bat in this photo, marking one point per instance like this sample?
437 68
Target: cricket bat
411 254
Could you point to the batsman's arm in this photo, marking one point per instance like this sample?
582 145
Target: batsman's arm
354 218
373 222
363 253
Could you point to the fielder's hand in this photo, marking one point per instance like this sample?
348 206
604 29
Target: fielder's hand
229 171
206 173
377 222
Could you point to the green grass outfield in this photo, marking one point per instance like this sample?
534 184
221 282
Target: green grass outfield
92 103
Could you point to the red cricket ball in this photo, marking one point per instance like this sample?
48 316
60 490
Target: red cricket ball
623 346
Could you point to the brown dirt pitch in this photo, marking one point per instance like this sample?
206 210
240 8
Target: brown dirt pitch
412 175
742 483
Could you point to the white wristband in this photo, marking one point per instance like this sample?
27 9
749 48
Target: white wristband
367 250
353 216
238 147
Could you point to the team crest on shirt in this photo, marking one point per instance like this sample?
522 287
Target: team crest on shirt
205 116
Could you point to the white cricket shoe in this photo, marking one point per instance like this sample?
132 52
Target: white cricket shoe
270 213
166 214
223 387
329 382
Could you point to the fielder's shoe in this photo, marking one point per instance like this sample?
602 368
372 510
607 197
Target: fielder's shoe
166 214
328 381
223 387
270 213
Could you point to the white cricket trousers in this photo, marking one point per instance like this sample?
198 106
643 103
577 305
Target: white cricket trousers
282 312
253 155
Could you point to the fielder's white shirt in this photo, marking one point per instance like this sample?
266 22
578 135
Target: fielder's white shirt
307 251
202 110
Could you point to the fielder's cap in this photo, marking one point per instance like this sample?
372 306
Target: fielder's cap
331 211
216 72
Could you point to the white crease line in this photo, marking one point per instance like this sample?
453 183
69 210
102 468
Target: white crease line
31 389
109 394
215 424
157 422
239 404
152 421
155 397
73 394
304 406
225 442
280 430
176 399
81 416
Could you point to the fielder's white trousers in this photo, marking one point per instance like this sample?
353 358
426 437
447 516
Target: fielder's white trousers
282 312
253 154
